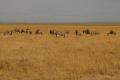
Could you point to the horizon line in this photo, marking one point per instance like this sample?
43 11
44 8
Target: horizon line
65 23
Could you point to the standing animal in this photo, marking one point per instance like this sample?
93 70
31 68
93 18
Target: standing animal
28 31
17 30
52 32
59 33
22 31
38 32
87 31
94 33
111 32
77 33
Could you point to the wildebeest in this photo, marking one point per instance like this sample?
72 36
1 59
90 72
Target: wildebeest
77 33
22 31
111 32
17 30
38 32
52 32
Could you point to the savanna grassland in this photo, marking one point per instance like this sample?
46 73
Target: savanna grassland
47 57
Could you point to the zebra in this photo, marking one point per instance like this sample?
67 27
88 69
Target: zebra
28 31
88 32
58 33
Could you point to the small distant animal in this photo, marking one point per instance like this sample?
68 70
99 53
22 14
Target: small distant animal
77 33
38 32
87 31
111 32
17 30
28 31
59 33
52 32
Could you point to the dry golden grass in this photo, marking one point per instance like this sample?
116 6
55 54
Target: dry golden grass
46 57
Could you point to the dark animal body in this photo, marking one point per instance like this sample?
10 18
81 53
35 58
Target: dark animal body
59 33
37 32
18 31
111 32
86 32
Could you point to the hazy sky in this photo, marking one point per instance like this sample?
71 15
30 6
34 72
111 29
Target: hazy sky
59 10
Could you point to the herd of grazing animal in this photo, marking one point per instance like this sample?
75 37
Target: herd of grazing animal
59 33
56 33
86 32
22 31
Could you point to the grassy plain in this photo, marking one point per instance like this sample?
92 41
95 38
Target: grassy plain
46 57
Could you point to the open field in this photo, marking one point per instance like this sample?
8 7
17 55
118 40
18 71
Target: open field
47 57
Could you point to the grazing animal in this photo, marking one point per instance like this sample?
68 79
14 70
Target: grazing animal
22 31
111 32
38 32
77 33
52 32
58 33
28 31
94 33
17 30
87 31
